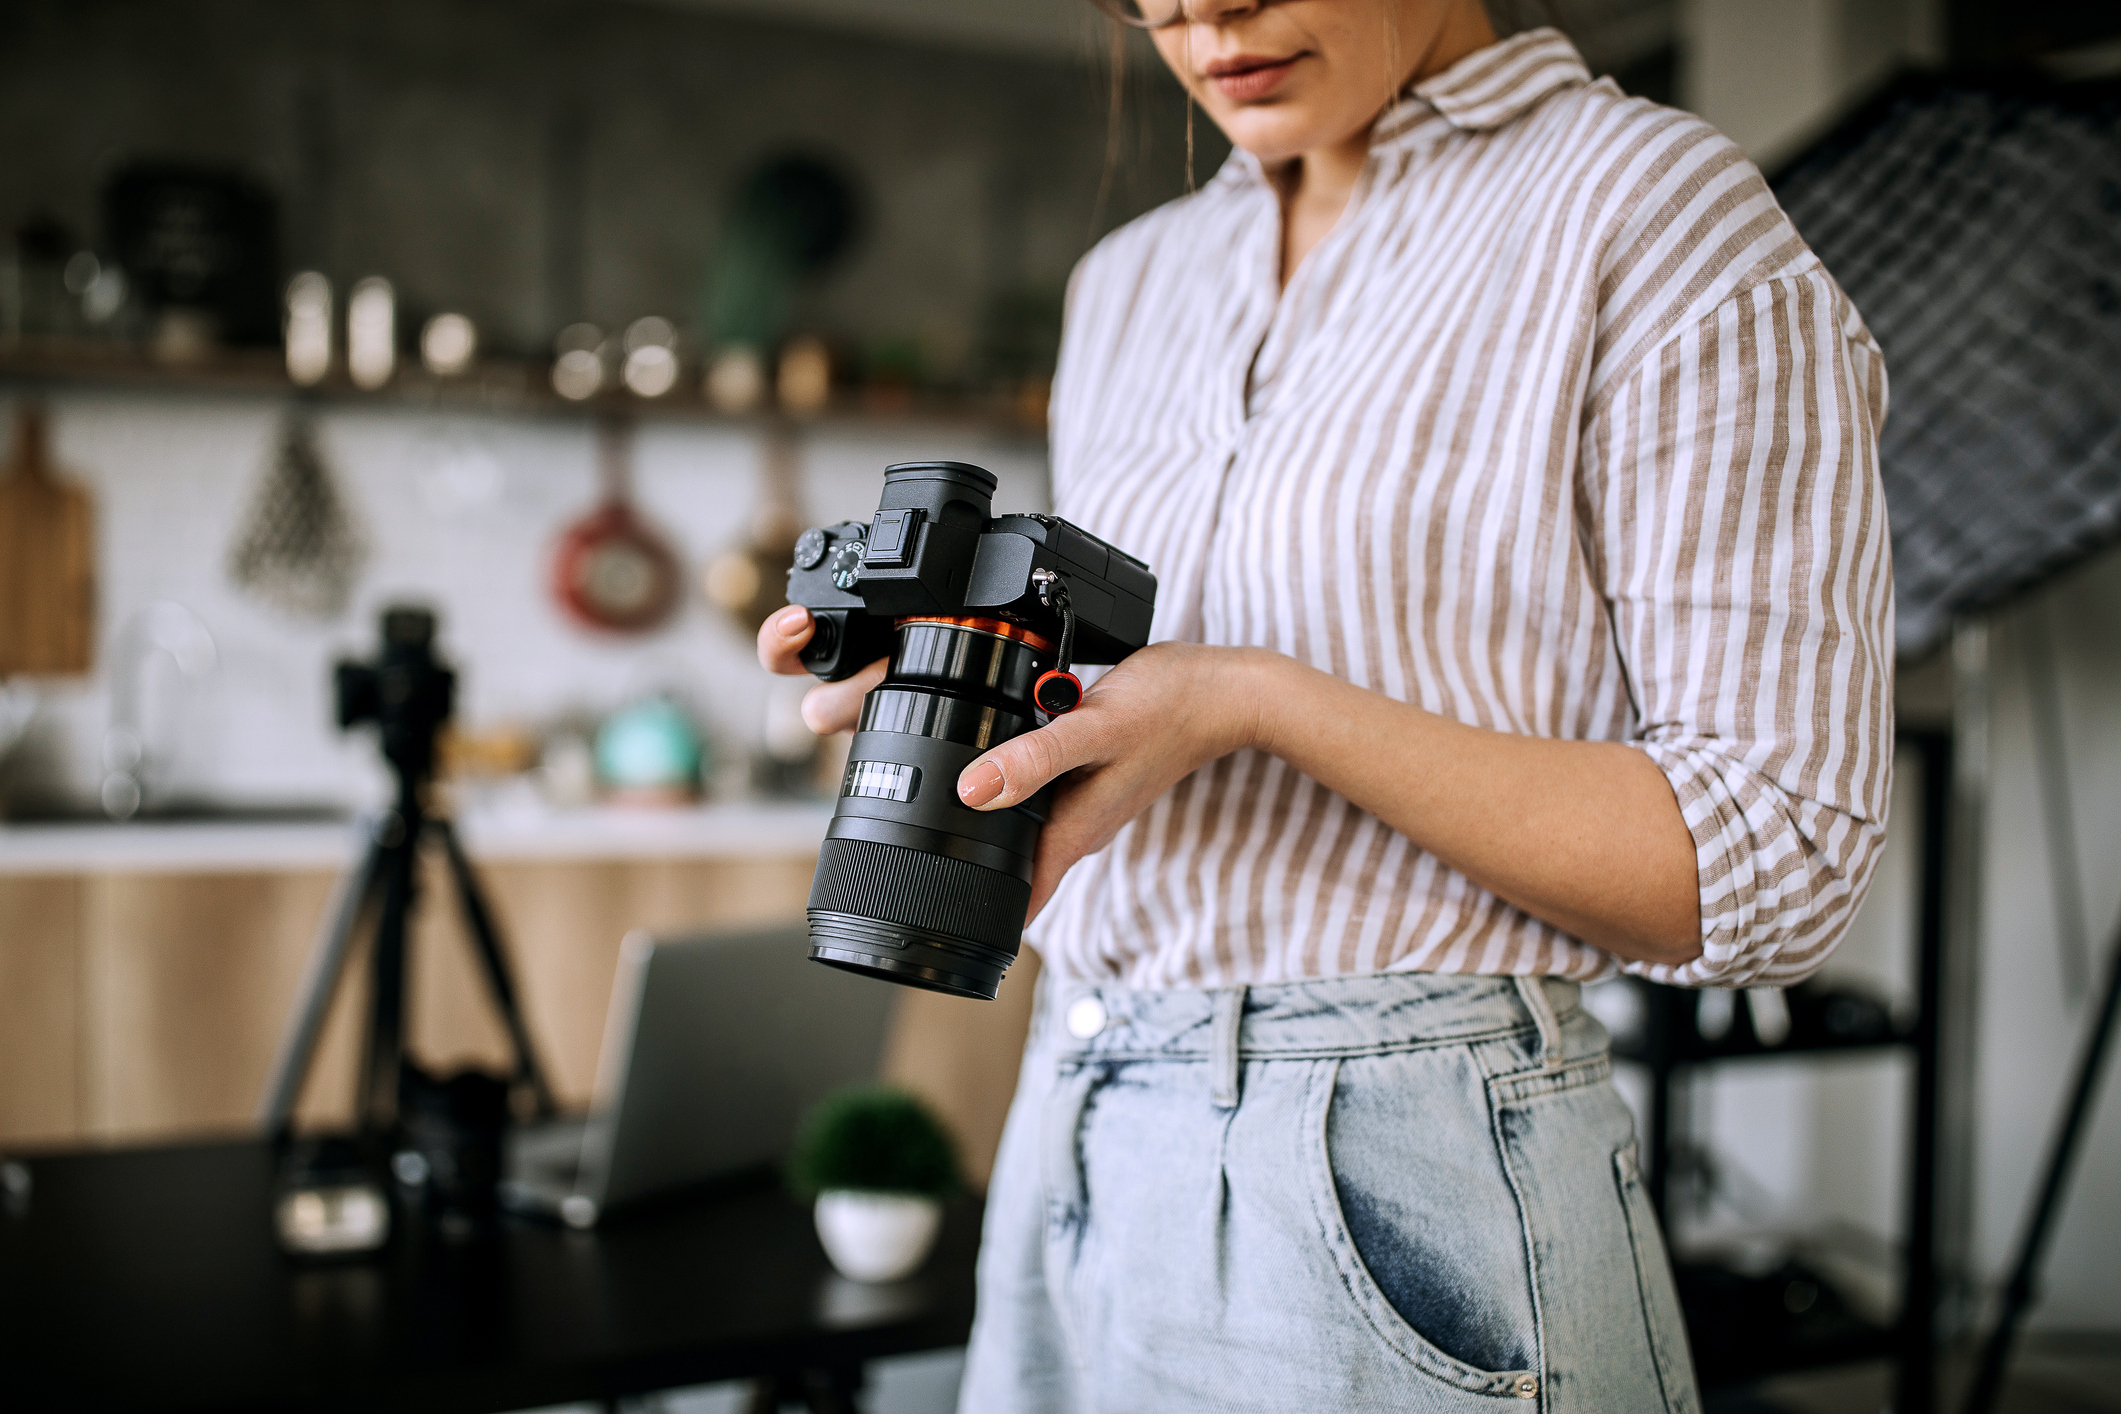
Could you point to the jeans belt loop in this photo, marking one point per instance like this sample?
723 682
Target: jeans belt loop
1224 1062
1537 1002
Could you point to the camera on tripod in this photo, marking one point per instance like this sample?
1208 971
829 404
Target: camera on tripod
450 1126
407 692
983 617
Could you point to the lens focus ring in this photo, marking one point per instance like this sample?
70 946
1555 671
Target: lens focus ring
921 890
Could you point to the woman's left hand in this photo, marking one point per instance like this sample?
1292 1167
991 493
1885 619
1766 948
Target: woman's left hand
1165 712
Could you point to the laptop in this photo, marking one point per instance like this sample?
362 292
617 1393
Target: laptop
714 1047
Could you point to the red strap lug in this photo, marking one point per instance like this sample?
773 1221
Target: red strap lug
1057 693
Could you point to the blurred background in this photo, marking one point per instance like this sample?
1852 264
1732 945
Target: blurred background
561 318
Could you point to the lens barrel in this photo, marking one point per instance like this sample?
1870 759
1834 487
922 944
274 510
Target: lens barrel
911 884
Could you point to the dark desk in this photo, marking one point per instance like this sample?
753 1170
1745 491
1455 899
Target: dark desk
147 1279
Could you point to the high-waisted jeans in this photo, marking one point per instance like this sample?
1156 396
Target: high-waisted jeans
1402 1192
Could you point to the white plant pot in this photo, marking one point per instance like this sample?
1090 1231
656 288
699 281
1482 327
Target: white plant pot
877 1236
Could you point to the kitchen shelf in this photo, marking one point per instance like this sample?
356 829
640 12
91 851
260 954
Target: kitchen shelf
516 387
1740 1328
1691 1050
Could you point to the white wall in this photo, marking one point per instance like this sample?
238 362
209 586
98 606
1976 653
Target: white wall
172 477
1771 74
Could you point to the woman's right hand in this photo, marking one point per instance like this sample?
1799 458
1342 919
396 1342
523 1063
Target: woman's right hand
830 706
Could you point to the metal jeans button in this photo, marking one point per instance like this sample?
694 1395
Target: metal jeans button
1527 1387
1086 1017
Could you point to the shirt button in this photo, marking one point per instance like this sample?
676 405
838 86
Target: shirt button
1086 1017
1527 1387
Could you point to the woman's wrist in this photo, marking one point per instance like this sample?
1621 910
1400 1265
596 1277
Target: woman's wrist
1321 724
1245 686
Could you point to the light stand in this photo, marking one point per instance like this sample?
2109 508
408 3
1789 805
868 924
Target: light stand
2032 1245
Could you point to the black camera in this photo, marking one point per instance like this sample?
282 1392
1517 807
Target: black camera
982 617
407 692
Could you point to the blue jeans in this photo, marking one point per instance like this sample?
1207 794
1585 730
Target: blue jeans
1401 1192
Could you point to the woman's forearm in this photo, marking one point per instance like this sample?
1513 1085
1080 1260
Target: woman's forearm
1585 835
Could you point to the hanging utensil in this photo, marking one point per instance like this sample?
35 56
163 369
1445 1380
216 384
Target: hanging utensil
749 581
611 569
47 560
299 549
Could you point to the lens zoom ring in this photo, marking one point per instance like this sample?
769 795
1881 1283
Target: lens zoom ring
921 890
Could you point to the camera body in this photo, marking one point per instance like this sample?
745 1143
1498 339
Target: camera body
980 616
407 692
934 550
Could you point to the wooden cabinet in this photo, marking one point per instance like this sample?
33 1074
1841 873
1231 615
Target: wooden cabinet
40 966
139 1006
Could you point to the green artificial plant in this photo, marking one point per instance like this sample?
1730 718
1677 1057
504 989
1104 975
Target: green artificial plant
875 1139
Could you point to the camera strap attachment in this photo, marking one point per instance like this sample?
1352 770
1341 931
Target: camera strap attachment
1057 691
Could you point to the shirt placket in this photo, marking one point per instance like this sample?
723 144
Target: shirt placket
1254 284
1281 325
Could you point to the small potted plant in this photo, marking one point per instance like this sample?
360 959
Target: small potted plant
879 1164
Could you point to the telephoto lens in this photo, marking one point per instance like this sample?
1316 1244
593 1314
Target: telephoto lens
982 618
912 883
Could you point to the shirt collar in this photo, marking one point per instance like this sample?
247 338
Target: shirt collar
1491 87
1487 89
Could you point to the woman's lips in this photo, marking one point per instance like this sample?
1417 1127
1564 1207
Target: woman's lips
1246 79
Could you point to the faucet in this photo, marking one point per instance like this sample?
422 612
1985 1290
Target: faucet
164 626
18 705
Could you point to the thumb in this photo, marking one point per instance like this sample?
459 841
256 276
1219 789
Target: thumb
1017 769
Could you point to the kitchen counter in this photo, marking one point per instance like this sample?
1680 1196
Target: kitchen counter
744 829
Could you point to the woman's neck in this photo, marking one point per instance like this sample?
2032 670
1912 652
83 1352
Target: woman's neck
1315 186
1315 189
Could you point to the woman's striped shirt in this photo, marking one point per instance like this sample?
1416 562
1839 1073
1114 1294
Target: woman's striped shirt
1562 430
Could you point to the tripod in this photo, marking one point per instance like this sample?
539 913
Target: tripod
408 695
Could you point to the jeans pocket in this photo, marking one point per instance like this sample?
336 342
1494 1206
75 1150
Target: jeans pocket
1427 1264
1653 1276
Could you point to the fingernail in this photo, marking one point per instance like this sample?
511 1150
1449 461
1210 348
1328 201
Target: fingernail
791 621
980 784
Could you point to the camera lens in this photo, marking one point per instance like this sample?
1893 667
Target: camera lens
911 884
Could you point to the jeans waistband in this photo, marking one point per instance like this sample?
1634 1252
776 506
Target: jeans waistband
1321 1017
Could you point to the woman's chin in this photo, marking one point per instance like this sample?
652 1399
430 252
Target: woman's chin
1274 137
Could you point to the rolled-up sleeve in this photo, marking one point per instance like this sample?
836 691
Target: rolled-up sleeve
1732 510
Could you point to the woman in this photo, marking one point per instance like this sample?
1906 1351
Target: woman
1508 466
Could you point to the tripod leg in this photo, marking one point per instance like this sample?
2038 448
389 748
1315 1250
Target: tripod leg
479 920
327 962
377 1097
2018 1293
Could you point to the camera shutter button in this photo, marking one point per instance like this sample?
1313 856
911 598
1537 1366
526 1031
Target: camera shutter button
1086 1017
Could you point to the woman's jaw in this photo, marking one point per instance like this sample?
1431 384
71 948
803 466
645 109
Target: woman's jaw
1307 76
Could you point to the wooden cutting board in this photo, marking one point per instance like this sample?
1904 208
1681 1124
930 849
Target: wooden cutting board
47 561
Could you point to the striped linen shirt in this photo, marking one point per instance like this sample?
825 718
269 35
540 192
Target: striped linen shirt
1562 430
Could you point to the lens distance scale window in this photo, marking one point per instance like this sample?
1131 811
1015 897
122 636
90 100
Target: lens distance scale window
882 780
